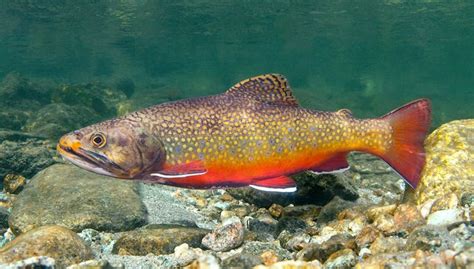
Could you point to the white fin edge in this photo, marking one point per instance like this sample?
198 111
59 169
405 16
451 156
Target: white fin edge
330 172
177 176
260 188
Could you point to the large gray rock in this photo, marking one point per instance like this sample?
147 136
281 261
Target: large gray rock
25 157
72 197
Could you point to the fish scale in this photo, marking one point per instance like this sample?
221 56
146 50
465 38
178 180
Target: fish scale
255 134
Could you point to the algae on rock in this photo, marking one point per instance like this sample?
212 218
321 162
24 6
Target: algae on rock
449 162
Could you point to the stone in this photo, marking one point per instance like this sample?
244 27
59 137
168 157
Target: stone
304 212
312 189
291 225
391 244
275 210
25 158
430 238
366 236
225 237
13 183
42 262
99 97
13 119
54 120
450 201
69 196
449 162
157 239
406 218
296 241
57 242
4 213
331 210
241 261
446 217
96 264
22 93
263 229
321 252
259 248
185 255
467 199
342 259
375 212
292 265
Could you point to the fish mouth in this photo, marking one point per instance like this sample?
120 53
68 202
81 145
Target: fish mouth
87 159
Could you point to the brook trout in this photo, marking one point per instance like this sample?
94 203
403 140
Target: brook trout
255 134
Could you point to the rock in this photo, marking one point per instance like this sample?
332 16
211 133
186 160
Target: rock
322 251
23 94
446 217
69 196
312 189
13 119
430 238
467 199
391 244
54 120
98 97
17 136
25 158
4 213
241 261
294 241
157 239
96 264
292 265
126 85
449 162
375 212
304 212
225 237
57 242
259 248
263 229
291 225
367 236
332 209
42 262
13 183
341 259
205 262
450 201
185 255
406 218
275 210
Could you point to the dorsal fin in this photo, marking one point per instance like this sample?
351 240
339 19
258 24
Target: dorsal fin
271 88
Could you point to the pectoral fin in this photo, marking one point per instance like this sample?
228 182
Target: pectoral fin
335 164
194 168
276 184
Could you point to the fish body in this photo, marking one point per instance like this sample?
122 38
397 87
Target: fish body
255 134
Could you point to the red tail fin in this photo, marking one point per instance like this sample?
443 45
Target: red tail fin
410 124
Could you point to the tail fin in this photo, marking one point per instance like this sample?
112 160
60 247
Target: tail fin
410 124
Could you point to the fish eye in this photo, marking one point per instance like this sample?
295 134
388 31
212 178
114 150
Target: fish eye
98 140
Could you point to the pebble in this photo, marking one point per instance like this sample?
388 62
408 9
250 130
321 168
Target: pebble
241 261
276 210
225 237
292 265
389 244
322 251
445 217
342 259
13 183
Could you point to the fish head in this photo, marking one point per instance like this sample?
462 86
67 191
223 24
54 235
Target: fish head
112 148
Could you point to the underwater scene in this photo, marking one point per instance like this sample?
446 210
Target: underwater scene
237 134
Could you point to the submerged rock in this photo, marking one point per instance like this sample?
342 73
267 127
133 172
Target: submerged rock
54 120
13 183
25 158
69 196
158 240
292 265
23 94
228 236
449 161
57 242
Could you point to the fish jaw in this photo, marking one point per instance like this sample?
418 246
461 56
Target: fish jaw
69 149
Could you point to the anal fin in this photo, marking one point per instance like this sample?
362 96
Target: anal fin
275 184
336 164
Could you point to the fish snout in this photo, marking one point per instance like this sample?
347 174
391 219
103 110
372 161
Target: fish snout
68 143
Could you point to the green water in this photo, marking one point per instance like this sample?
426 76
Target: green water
368 56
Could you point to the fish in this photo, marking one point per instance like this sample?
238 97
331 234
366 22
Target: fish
254 134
